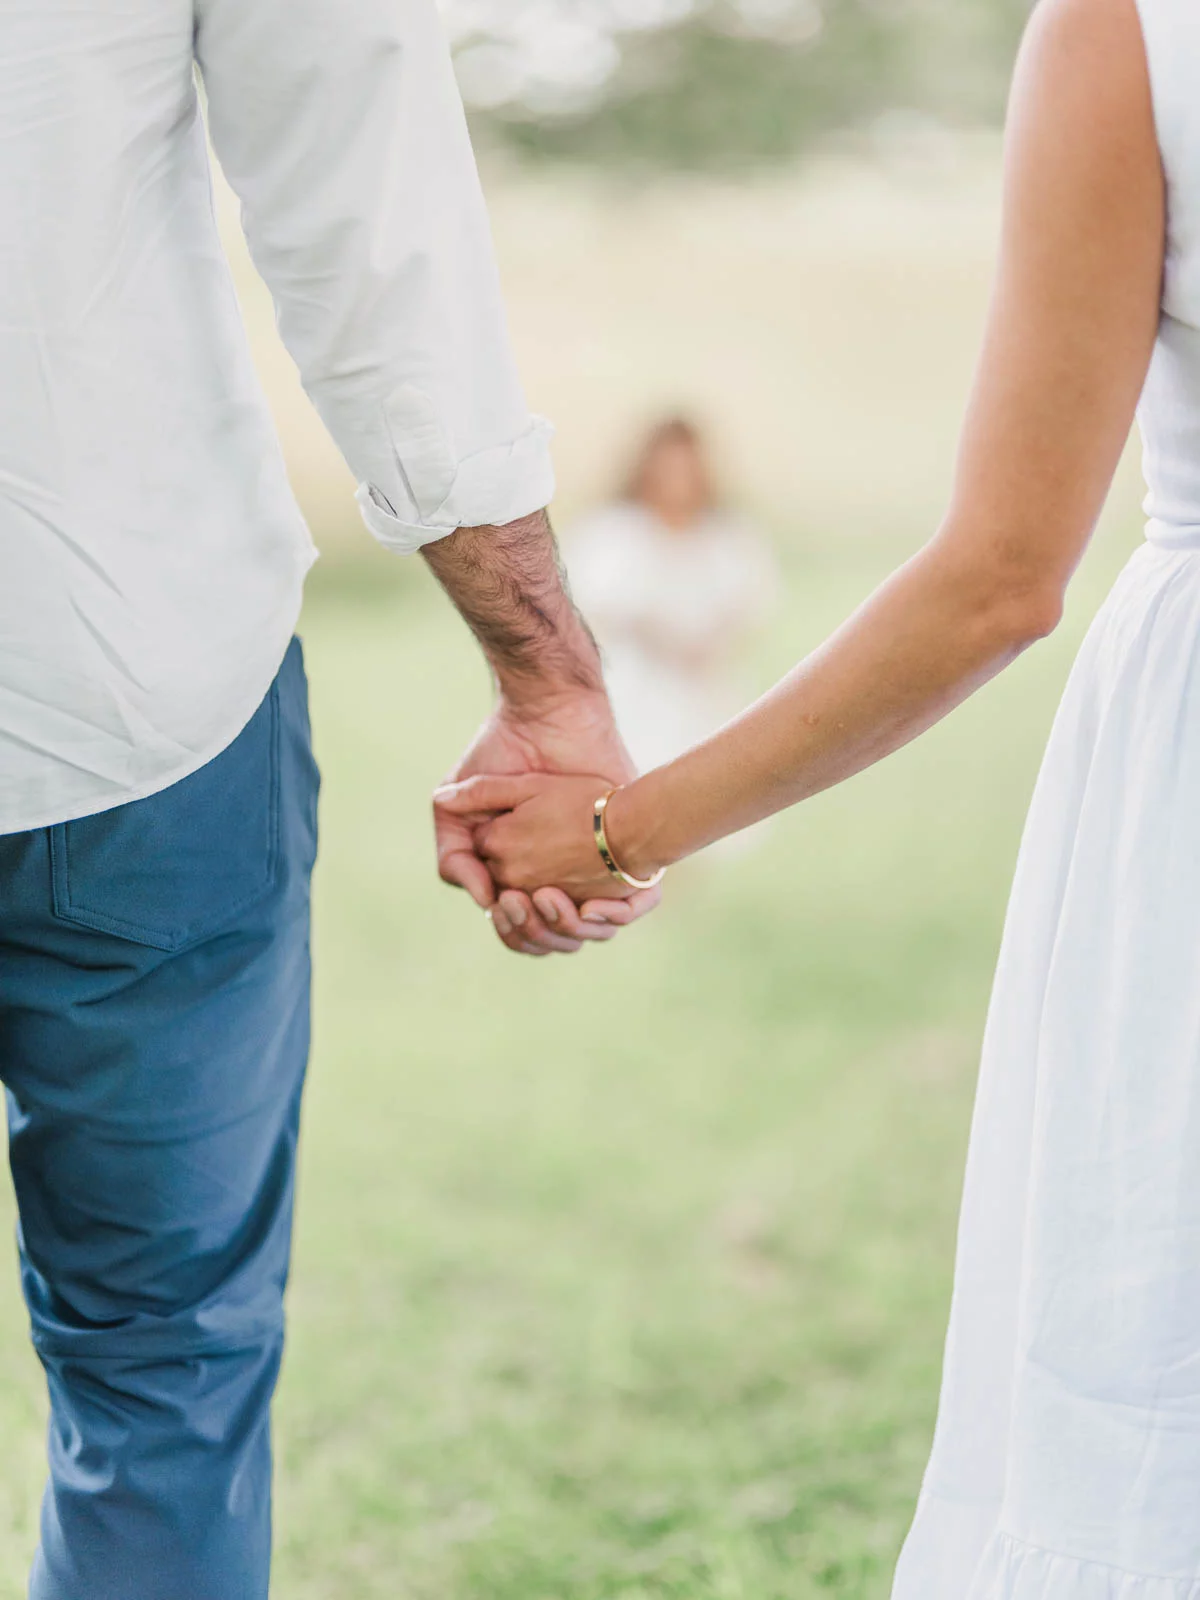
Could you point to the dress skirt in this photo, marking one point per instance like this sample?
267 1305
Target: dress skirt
1066 1462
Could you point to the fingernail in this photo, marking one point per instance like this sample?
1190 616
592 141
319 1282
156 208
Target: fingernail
594 916
501 924
517 915
549 911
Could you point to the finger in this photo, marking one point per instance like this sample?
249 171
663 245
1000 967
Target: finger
523 947
550 945
518 911
458 863
529 927
646 900
464 870
559 911
614 914
620 913
543 944
487 792
510 934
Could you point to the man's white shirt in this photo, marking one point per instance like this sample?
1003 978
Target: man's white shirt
151 552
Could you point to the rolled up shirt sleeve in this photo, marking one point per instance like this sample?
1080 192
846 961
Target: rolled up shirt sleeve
339 125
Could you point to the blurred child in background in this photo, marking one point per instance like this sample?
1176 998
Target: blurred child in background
674 584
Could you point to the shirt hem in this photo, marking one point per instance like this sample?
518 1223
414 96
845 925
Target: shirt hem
195 761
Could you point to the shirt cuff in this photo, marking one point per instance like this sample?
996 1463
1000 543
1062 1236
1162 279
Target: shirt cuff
494 486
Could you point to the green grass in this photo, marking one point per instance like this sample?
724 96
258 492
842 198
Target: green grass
622 1278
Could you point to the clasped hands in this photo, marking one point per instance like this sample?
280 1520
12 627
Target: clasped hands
513 824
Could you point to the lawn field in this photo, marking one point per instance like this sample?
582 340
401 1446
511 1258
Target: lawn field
622 1276
625 1277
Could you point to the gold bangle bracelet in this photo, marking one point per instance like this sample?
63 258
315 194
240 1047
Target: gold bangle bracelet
606 855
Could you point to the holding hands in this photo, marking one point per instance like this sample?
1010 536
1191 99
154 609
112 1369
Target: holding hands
516 830
552 716
539 829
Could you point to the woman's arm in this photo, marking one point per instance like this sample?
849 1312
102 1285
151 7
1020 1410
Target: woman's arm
1068 342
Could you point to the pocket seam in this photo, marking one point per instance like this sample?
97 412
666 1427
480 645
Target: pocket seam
191 933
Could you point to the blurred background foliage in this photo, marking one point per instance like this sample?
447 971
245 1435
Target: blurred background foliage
718 84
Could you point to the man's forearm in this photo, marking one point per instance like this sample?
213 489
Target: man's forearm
509 586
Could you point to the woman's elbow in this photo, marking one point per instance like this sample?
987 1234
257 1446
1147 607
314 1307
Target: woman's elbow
1019 614
1004 606
1038 613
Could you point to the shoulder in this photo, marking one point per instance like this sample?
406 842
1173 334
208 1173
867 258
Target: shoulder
1090 25
1094 51
1083 161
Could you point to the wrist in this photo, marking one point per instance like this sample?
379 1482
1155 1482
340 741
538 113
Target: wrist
508 585
551 698
566 667
633 835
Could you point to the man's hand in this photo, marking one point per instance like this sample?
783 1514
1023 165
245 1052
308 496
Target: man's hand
567 732
552 715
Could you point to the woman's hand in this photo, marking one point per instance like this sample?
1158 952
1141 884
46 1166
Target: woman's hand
536 830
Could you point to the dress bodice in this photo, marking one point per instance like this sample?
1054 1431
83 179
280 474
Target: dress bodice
1169 414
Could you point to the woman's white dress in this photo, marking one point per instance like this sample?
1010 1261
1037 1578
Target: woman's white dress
669 609
1066 1463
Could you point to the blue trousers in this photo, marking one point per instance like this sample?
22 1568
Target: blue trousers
154 1029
